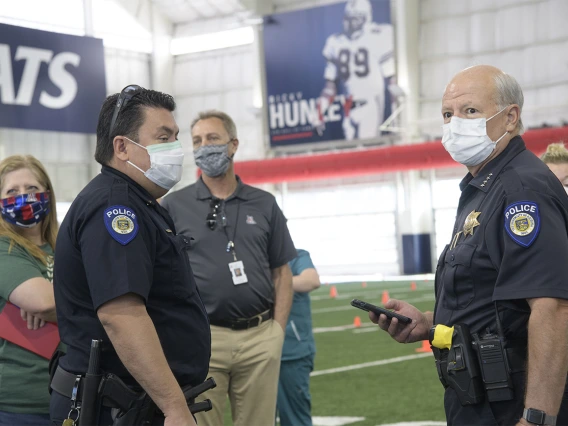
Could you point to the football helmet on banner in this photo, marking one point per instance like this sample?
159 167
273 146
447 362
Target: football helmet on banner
357 14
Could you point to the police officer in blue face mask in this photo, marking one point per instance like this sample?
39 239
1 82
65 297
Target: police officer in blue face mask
501 282
123 275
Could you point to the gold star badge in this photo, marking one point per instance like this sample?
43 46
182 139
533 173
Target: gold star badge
470 223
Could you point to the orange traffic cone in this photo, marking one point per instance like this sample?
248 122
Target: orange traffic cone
385 298
333 292
357 322
425 347
412 286
364 284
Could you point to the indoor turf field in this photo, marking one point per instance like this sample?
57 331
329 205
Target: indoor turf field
361 374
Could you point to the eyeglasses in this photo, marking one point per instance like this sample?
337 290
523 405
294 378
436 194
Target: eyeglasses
216 210
127 93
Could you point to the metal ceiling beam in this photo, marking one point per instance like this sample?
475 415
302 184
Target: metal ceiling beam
140 10
193 8
259 7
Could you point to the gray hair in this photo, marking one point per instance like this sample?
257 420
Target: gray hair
508 92
228 122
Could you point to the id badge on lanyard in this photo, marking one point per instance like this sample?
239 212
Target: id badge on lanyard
237 267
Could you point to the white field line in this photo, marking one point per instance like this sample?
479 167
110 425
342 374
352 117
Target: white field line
365 330
335 421
340 328
372 293
425 298
417 423
369 364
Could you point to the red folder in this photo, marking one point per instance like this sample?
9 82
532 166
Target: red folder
14 329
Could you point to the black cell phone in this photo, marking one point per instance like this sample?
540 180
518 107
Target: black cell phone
378 310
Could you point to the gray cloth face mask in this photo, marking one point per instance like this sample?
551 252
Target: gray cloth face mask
213 160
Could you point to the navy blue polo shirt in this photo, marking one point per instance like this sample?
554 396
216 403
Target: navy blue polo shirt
510 243
255 224
116 239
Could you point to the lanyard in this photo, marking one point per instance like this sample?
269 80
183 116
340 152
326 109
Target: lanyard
231 241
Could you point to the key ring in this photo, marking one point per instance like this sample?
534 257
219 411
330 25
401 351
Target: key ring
71 411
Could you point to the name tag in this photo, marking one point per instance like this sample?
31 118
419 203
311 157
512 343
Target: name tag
238 272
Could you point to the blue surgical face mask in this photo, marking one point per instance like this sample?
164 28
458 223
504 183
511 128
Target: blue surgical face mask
466 139
25 210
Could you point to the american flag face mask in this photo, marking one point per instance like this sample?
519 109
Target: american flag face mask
25 210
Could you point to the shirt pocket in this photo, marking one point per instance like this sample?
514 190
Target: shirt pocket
458 283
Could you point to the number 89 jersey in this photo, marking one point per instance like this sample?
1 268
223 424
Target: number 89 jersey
362 61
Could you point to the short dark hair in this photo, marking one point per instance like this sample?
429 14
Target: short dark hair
128 121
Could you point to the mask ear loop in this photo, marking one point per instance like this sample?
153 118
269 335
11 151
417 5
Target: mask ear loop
495 115
497 141
131 163
136 167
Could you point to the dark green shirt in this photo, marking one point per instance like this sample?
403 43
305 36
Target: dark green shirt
299 341
24 376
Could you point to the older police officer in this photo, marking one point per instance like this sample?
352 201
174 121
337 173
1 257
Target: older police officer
124 276
506 261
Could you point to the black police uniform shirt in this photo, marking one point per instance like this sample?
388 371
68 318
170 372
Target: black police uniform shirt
255 224
509 244
116 239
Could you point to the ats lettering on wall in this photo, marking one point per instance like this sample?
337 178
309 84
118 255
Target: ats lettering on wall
50 81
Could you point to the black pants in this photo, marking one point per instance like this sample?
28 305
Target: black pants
60 406
501 413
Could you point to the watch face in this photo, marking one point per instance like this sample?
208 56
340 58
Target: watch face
532 415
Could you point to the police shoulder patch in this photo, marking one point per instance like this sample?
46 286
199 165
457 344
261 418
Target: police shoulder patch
121 223
522 222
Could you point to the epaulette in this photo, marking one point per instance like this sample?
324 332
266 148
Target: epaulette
511 180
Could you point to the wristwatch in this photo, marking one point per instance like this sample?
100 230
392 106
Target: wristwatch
538 417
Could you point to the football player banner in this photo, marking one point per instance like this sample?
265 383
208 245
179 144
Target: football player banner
327 72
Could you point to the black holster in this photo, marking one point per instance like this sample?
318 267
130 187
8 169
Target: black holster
458 368
132 408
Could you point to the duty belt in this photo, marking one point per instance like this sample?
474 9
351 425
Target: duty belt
244 323
119 395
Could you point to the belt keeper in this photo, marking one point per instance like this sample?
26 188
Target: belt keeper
75 391
259 316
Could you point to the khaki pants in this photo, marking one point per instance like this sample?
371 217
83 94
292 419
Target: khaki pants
245 365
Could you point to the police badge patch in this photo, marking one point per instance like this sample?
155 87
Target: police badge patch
121 223
522 222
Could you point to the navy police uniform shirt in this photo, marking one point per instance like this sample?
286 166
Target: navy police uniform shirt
116 239
509 244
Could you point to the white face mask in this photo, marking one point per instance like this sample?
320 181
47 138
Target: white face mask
466 139
166 163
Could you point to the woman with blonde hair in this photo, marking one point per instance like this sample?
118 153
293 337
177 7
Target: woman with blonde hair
556 158
28 229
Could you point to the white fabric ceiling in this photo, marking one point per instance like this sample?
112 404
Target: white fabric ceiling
184 11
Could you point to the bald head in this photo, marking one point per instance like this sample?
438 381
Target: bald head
489 85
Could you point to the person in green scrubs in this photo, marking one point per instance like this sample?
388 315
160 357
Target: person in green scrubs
299 349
